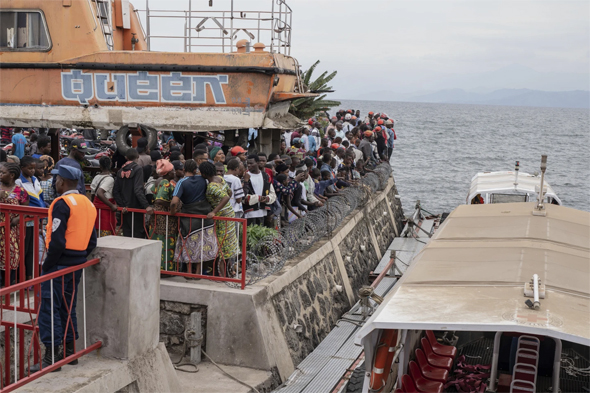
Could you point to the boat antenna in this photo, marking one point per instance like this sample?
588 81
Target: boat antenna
540 208
516 168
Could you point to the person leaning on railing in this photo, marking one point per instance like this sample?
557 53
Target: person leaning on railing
70 238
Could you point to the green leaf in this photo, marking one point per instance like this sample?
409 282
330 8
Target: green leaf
305 108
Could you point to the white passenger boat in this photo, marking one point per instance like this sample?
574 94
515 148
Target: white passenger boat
508 186
512 283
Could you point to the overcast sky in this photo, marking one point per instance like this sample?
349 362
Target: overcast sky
424 45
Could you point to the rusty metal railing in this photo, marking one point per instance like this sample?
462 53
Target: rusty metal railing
219 30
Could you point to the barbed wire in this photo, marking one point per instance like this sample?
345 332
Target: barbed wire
271 253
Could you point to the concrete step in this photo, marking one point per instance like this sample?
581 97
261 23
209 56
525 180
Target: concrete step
212 380
150 372
91 372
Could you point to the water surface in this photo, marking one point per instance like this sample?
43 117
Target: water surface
440 147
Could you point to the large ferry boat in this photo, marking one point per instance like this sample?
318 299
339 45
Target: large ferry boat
89 64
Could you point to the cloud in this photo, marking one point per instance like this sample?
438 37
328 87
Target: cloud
406 45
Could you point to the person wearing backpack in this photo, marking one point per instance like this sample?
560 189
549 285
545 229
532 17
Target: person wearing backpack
102 197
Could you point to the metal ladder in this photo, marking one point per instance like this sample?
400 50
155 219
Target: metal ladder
102 13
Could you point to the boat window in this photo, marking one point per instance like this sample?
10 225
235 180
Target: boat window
23 31
508 198
477 200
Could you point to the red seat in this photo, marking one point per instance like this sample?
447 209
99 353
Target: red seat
440 349
408 385
524 372
399 391
424 385
527 356
430 372
433 358
522 387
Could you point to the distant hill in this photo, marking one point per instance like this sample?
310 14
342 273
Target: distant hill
509 97
512 97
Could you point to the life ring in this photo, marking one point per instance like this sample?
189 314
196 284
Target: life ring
383 360
123 133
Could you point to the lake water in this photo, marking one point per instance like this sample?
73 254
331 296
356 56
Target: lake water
440 147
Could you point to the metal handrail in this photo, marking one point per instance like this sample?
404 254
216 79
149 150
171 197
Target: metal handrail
22 354
279 26
93 16
241 249
39 213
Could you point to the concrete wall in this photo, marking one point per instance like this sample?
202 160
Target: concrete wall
278 321
123 312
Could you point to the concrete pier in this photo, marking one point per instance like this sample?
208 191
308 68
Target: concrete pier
275 323
259 334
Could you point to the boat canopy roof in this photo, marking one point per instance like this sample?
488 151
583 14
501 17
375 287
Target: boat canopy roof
503 183
471 275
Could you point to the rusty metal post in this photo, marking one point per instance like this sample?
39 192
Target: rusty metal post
55 147
188 146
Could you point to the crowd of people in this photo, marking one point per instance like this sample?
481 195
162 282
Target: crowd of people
313 163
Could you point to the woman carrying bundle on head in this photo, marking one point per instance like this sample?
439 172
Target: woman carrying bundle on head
165 227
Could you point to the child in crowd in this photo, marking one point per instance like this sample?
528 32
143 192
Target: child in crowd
330 189
28 182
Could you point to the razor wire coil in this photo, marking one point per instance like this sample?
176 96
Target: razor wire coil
271 253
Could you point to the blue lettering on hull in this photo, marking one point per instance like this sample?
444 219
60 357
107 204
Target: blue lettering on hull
142 87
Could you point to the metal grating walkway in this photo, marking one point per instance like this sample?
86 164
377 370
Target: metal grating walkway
405 249
323 369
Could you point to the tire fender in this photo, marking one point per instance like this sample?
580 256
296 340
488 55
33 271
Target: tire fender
121 138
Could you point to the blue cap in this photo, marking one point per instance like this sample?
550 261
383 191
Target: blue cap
67 172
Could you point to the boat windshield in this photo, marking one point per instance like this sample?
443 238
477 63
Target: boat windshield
508 198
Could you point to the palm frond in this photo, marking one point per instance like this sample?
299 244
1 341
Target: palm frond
305 108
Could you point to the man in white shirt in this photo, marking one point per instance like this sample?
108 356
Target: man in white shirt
235 169
305 139
347 126
340 132
259 193
287 136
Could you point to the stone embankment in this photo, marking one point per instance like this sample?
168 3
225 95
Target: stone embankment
275 323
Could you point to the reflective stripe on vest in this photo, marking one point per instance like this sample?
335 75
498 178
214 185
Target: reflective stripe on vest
80 224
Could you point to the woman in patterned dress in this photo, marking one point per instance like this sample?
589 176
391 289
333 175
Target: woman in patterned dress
218 195
163 191
10 194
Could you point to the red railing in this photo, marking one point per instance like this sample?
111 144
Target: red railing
222 269
28 231
18 360
232 270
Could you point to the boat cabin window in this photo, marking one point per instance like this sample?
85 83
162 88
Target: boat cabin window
23 31
477 200
508 198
